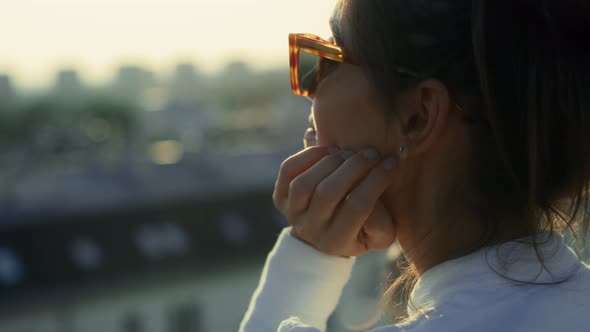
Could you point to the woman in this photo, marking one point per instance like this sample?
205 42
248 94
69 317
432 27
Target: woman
460 129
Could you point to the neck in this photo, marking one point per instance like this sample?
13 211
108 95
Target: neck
441 227
449 237
446 239
433 208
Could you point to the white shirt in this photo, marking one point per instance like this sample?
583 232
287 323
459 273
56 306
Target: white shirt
300 287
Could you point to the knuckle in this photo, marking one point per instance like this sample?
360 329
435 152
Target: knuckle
330 160
298 187
276 200
357 203
287 166
324 192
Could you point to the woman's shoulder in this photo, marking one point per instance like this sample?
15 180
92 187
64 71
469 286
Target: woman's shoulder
430 322
559 307
294 324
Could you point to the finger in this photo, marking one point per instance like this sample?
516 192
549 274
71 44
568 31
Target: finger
332 190
292 167
359 204
310 138
379 229
304 185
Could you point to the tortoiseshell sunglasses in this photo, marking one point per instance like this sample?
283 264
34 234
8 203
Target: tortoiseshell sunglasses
310 59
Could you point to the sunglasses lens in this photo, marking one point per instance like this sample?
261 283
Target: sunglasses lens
308 71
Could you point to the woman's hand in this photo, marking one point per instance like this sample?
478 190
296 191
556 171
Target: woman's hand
332 200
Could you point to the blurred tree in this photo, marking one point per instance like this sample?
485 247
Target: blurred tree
50 125
122 115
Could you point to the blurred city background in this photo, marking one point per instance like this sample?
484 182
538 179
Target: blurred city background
139 145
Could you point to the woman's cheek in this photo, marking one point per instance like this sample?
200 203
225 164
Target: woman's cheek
326 125
323 138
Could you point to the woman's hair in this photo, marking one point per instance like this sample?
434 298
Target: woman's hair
522 68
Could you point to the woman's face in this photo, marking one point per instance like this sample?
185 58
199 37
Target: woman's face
346 113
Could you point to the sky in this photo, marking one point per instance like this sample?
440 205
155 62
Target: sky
38 37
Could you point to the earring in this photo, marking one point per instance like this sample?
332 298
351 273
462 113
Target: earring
403 149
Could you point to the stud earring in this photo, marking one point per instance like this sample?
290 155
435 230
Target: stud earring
403 149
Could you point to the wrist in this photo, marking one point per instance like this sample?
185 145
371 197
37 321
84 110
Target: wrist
294 235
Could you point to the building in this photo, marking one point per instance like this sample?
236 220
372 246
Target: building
185 86
7 93
131 83
68 85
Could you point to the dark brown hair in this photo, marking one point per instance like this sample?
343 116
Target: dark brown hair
522 67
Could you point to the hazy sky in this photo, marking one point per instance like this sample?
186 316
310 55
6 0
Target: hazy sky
39 36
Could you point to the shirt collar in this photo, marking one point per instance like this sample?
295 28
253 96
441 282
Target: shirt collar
515 261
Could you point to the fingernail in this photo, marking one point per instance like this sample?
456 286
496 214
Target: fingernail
309 143
310 134
333 150
371 154
389 164
348 154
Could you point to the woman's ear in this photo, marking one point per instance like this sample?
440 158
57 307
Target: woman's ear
427 120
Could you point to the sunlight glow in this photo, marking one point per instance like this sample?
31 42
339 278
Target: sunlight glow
95 36
166 152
